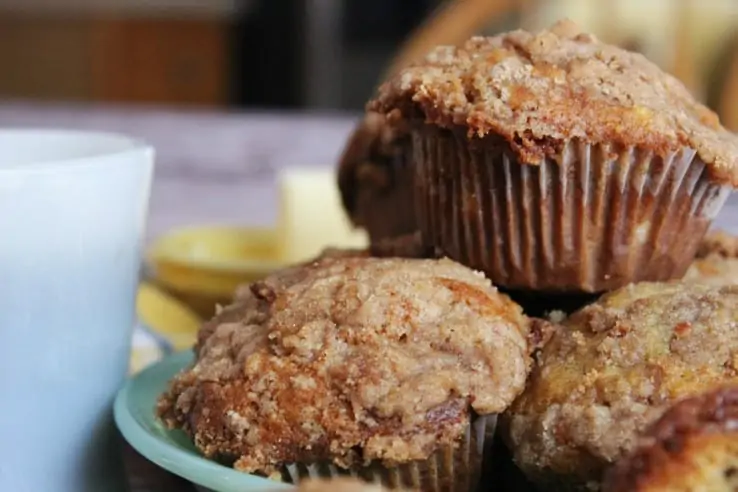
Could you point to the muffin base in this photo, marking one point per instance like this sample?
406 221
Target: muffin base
450 469
590 218
387 211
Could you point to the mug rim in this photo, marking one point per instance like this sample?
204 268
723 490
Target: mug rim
119 144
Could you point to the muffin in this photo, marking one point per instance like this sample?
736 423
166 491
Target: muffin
717 260
613 368
389 369
375 180
692 447
554 162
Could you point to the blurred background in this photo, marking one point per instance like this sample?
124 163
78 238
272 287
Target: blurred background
318 54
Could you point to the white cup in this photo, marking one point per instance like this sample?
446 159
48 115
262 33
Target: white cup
73 208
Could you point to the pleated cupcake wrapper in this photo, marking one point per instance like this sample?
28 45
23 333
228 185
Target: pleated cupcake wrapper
589 219
450 469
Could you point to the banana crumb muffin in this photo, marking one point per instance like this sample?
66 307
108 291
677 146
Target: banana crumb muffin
381 366
717 260
553 161
612 369
375 179
693 447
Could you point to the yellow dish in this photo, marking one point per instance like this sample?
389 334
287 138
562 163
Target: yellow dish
166 317
204 265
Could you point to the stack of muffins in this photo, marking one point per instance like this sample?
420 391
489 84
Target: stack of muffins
552 166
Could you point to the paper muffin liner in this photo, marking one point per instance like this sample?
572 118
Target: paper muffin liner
590 218
450 469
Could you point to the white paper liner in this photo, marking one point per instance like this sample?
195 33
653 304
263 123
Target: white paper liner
590 219
450 469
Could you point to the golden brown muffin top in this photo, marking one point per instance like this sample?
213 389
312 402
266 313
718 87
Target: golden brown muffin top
340 485
716 262
693 446
614 367
718 243
539 90
350 359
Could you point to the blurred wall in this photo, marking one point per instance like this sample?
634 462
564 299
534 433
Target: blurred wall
313 54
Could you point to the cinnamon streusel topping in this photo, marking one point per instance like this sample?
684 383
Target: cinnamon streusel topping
692 447
539 90
350 359
716 262
613 368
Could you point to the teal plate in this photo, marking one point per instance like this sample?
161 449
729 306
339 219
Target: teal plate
172 450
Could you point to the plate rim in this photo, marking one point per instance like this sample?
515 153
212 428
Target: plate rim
196 469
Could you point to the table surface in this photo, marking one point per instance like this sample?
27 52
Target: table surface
228 161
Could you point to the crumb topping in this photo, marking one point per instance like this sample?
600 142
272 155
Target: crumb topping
693 446
718 243
538 90
351 359
716 262
614 367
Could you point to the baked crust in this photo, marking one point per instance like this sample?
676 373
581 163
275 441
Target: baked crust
350 359
717 260
692 447
538 91
613 368
374 180
718 243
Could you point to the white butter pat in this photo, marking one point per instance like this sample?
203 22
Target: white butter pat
311 216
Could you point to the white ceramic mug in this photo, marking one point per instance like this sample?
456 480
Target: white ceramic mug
73 208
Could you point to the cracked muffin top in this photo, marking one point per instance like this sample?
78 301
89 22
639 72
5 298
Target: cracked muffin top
350 359
693 446
613 368
539 90
716 262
